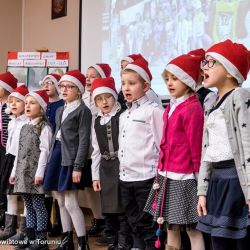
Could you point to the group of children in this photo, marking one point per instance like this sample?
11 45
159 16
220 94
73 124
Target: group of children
147 164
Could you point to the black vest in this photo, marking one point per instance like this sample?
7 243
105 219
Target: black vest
202 93
105 132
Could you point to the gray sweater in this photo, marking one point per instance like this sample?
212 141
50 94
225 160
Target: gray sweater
75 135
237 116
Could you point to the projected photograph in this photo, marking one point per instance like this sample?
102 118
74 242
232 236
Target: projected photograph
59 71
19 73
35 76
162 30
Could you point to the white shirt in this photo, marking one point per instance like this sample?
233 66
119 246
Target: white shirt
14 128
96 154
217 137
140 132
68 108
45 144
89 102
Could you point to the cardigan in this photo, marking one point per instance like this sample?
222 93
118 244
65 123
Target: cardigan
237 116
180 149
75 135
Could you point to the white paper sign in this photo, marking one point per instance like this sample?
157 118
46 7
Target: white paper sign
48 55
28 55
34 63
15 63
57 63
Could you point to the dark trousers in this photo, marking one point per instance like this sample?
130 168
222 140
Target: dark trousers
116 225
134 196
37 215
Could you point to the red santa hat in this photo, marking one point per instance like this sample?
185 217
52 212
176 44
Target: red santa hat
76 77
8 81
55 78
131 58
103 69
186 68
103 85
41 96
198 52
140 66
234 57
20 92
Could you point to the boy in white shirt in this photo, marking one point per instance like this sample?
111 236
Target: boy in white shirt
140 132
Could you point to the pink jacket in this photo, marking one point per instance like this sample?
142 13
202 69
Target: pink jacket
180 149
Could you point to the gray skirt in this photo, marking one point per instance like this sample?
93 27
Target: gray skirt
175 201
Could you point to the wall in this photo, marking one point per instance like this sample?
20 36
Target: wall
40 31
11 29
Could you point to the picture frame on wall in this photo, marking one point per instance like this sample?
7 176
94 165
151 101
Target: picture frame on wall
20 73
58 8
35 76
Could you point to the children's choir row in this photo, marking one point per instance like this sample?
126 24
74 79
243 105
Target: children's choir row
146 164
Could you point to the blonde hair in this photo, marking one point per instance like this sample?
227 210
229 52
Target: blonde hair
132 71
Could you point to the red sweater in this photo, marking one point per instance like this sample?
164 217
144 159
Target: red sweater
180 149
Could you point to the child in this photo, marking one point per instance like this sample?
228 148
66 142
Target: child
68 157
7 83
173 199
223 186
16 104
96 71
105 166
140 131
34 143
50 84
150 93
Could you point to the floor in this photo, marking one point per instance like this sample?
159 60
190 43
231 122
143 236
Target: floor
88 217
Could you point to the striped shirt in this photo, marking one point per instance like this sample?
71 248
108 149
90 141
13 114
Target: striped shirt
5 118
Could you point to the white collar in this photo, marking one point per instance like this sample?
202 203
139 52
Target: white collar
22 117
138 102
178 101
35 121
72 104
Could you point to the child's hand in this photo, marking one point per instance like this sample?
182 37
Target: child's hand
76 176
38 180
201 207
12 180
96 186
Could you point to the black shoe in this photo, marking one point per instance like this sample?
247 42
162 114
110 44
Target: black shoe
105 240
40 243
96 228
10 227
83 243
113 246
66 241
21 231
29 235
